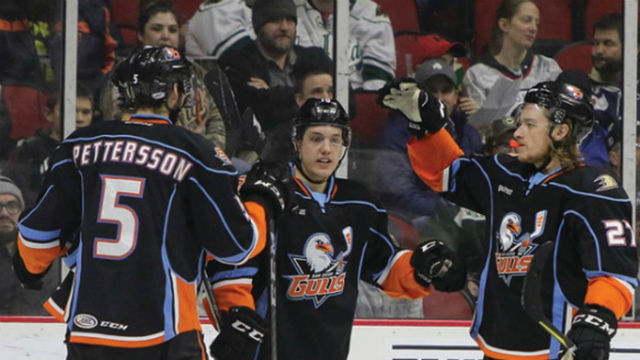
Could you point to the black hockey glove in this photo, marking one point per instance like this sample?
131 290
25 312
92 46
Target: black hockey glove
434 263
425 112
591 330
241 332
271 183
27 279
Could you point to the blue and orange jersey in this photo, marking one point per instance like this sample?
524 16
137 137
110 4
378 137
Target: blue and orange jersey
582 210
147 202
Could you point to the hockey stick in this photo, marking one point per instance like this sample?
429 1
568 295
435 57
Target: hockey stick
211 301
531 299
273 278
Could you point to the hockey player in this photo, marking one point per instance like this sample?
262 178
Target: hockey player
543 194
148 201
330 235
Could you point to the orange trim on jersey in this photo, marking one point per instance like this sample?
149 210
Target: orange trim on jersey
38 260
234 295
204 351
187 306
115 343
335 190
259 216
149 121
562 172
400 282
53 311
304 188
431 155
610 293
503 356
209 257
16 25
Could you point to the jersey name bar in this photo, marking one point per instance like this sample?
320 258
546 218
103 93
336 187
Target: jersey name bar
154 158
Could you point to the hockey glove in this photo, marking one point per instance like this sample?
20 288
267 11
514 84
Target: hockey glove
273 184
425 112
591 330
27 279
240 335
434 263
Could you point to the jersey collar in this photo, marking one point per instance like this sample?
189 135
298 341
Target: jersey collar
150 119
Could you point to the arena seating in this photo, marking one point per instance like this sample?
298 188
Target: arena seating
575 56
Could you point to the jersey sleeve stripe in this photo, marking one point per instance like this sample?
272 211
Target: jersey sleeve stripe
381 277
442 150
243 255
187 303
400 282
238 294
39 235
37 260
236 281
235 273
53 309
610 293
511 355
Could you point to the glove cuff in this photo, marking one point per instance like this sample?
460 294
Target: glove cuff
596 317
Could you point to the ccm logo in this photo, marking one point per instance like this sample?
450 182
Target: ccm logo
246 329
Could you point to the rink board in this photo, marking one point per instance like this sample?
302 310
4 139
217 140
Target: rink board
26 338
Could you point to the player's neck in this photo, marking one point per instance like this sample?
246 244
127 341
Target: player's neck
317 186
161 111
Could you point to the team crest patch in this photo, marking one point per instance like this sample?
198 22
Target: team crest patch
605 182
515 247
321 272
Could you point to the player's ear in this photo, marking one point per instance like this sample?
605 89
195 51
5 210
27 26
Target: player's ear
560 132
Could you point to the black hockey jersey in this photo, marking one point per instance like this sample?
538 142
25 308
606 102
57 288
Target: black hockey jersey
323 249
141 203
583 211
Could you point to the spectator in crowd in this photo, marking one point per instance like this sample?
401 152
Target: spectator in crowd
21 78
211 111
28 162
400 189
96 44
510 68
218 26
14 299
263 74
223 25
434 46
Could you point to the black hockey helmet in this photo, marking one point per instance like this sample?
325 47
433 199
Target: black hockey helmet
321 112
564 102
147 76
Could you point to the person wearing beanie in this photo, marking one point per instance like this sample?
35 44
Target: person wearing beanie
14 300
264 72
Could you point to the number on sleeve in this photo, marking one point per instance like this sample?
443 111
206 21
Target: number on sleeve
111 211
615 232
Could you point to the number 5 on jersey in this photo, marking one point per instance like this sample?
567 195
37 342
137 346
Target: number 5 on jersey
113 212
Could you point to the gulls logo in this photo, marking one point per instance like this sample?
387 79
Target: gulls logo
321 272
515 248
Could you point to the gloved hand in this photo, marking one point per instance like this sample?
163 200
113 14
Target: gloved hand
434 263
27 279
425 112
272 182
241 332
591 330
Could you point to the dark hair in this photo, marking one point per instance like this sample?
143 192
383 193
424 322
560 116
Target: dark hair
506 10
611 21
83 90
148 9
299 85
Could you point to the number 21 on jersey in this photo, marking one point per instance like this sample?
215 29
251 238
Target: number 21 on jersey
113 212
